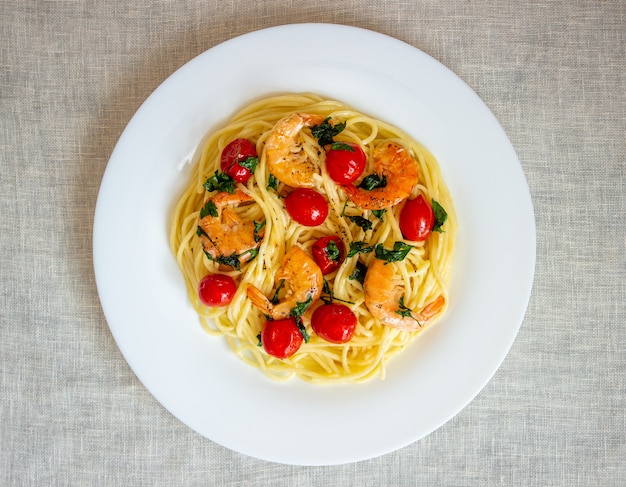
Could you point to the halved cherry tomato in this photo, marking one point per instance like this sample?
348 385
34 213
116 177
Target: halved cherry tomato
216 290
329 252
281 338
307 206
334 322
416 219
344 166
235 152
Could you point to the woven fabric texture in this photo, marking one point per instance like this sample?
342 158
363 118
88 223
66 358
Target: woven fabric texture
72 74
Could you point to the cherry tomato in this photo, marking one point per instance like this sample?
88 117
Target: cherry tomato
416 219
281 338
235 152
216 290
334 322
329 258
307 207
345 166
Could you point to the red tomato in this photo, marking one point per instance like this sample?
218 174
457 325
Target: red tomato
235 152
345 166
323 255
416 219
334 322
216 290
281 338
307 207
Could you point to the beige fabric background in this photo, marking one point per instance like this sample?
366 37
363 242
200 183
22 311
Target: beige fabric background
72 73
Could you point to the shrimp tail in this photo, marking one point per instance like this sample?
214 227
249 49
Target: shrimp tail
259 299
431 310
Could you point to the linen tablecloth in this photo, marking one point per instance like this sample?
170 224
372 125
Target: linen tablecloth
72 73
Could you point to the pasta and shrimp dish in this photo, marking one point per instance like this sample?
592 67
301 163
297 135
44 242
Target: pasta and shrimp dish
316 240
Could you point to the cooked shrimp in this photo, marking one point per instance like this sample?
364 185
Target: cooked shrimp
286 158
227 234
394 163
382 298
304 281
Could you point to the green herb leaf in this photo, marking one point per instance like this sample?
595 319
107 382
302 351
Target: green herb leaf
259 343
364 223
297 311
332 251
373 181
275 298
272 183
230 260
258 226
399 252
331 295
359 272
200 232
325 131
341 146
379 214
250 163
404 311
220 182
209 209
359 247
440 216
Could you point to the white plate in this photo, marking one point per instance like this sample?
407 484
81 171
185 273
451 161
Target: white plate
195 376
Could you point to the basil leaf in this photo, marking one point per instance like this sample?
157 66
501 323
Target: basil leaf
272 183
359 247
373 181
440 216
258 226
341 146
404 311
325 131
364 223
379 214
200 232
332 251
220 182
250 163
359 272
399 252
209 208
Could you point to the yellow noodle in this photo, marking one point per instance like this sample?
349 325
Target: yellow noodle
425 272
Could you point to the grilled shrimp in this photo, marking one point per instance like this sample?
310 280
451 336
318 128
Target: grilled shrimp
224 233
286 159
394 163
304 281
383 295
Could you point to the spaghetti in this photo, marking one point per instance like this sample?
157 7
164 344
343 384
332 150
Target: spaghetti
419 270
